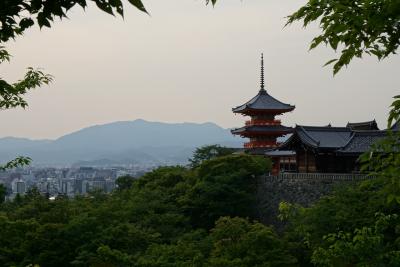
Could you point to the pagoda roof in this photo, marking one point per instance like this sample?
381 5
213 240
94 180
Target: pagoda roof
367 125
326 137
263 102
266 129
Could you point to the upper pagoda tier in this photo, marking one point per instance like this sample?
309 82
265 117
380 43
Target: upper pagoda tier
263 103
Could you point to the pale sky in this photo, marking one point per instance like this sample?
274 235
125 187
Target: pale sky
187 62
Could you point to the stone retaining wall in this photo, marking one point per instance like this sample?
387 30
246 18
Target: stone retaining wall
300 188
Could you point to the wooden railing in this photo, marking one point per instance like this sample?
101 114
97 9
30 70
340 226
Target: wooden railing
256 144
321 176
263 122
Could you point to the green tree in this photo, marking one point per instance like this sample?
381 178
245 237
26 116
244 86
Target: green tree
224 186
239 243
124 182
368 246
209 152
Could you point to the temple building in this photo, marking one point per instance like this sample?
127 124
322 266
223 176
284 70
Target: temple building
325 149
263 128
308 149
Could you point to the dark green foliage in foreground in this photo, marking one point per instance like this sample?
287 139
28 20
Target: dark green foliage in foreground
162 219
356 28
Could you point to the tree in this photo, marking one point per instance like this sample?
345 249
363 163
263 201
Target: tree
209 152
124 182
3 193
355 27
224 186
367 246
240 243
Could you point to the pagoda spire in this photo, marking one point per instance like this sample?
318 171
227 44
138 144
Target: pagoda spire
262 89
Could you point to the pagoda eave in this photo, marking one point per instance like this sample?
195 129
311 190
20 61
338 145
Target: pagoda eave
252 134
249 112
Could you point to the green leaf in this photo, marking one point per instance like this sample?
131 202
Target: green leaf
330 62
138 4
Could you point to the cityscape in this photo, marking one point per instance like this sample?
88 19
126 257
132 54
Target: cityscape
70 182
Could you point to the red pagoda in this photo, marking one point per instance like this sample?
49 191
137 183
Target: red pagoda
262 129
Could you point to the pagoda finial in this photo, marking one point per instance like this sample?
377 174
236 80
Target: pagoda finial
262 73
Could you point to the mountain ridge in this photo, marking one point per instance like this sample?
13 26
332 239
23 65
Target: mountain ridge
121 140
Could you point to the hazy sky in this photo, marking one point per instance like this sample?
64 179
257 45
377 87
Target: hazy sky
187 62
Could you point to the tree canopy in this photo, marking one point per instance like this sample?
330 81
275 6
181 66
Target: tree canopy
153 222
209 152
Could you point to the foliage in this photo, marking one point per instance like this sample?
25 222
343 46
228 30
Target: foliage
224 186
148 223
124 182
394 115
347 209
383 160
18 15
239 243
3 193
17 162
355 27
209 152
367 247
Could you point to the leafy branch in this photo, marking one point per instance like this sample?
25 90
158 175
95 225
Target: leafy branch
17 162
355 27
11 95
18 15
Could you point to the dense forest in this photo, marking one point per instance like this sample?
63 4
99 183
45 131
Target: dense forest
204 216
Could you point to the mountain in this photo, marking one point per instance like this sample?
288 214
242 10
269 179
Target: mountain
125 142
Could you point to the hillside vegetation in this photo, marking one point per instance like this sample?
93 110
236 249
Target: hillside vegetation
203 216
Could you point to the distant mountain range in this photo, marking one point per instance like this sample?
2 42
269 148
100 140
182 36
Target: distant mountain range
120 143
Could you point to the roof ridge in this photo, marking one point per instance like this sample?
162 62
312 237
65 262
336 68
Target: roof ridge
362 122
308 135
350 139
328 128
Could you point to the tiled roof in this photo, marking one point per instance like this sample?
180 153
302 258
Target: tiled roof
367 125
361 141
263 102
323 137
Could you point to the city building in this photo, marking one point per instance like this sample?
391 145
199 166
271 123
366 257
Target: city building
18 186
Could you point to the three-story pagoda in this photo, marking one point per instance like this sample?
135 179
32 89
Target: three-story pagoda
263 128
